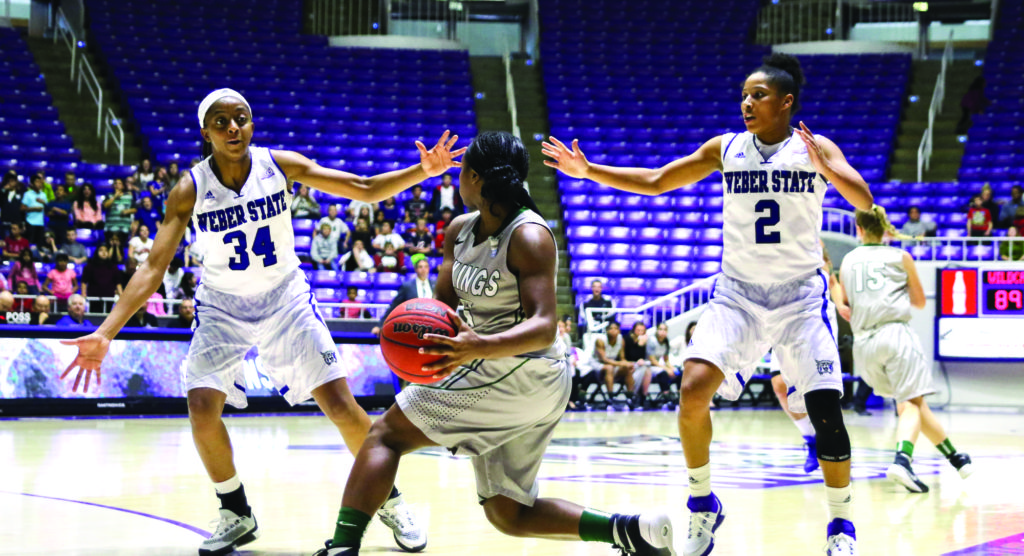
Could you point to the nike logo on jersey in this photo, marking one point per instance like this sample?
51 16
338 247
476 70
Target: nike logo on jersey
224 219
760 181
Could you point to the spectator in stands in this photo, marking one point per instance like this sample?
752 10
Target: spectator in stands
357 259
420 285
187 287
324 249
119 210
158 187
70 183
10 200
915 227
145 173
352 312
989 203
147 214
186 314
15 242
391 260
75 251
635 352
132 187
173 174
1012 249
971 104
1012 212
46 251
24 303
76 313
24 270
416 207
421 241
446 196
609 358
596 301
86 209
140 245
387 235
143 319
117 251
101 276
979 219
58 213
304 206
338 227
679 345
658 347
172 278
40 311
359 209
61 281
390 210
363 234
33 203
47 187
6 305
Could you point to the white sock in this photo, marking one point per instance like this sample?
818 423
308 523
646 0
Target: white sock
230 485
700 480
839 503
805 426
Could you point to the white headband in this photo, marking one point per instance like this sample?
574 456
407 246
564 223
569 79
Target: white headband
213 97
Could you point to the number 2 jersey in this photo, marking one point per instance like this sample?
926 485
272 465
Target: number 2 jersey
875 282
246 237
771 210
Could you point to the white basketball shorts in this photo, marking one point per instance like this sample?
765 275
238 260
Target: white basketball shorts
796 319
890 359
294 343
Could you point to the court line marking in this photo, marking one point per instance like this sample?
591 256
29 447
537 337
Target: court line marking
1006 546
196 530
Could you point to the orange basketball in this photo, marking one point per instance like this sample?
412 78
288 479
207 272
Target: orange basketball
401 337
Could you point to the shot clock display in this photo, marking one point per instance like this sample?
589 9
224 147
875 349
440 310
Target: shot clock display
980 313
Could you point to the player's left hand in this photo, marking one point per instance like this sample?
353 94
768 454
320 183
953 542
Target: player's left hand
814 150
464 347
439 159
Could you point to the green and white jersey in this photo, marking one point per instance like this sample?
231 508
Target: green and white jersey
876 285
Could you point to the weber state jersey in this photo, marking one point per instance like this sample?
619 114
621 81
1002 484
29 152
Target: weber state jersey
875 282
487 289
771 210
246 238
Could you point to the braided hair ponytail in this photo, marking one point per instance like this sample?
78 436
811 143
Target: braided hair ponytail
503 162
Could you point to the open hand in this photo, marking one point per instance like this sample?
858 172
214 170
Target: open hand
457 351
814 150
571 162
91 351
438 159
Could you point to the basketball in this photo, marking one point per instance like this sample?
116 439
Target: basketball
401 337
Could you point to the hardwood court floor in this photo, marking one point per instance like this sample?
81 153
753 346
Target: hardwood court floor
118 487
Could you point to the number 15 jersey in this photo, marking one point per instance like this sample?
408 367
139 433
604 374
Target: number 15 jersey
771 210
246 238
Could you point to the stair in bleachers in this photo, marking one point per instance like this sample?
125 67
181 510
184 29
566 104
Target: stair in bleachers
78 110
947 150
491 102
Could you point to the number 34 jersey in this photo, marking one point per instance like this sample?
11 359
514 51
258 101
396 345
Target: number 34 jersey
246 238
771 210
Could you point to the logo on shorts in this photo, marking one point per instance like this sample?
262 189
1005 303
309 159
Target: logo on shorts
824 367
330 357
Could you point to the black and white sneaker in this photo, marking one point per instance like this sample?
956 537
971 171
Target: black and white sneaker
901 473
408 529
644 534
329 550
962 463
232 532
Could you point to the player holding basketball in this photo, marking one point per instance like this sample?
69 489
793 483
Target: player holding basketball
506 379
253 293
771 292
881 284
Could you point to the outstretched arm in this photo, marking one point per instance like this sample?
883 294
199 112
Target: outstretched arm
832 165
374 189
644 181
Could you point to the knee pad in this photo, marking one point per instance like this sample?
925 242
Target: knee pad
826 414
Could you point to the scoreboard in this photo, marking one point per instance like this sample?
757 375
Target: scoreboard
979 313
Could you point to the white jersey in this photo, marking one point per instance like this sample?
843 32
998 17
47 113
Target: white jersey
875 282
246 238
771 210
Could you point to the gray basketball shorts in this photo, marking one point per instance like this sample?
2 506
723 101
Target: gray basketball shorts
295 347
890 359
501 412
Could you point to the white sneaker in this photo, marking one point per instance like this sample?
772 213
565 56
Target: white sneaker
700 539
403 522
842 539
232 532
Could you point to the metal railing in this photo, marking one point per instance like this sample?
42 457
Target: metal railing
657 310
410 18
510 92
112 131
924 151
823 20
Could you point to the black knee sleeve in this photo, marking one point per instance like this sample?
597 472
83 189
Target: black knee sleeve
826 414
